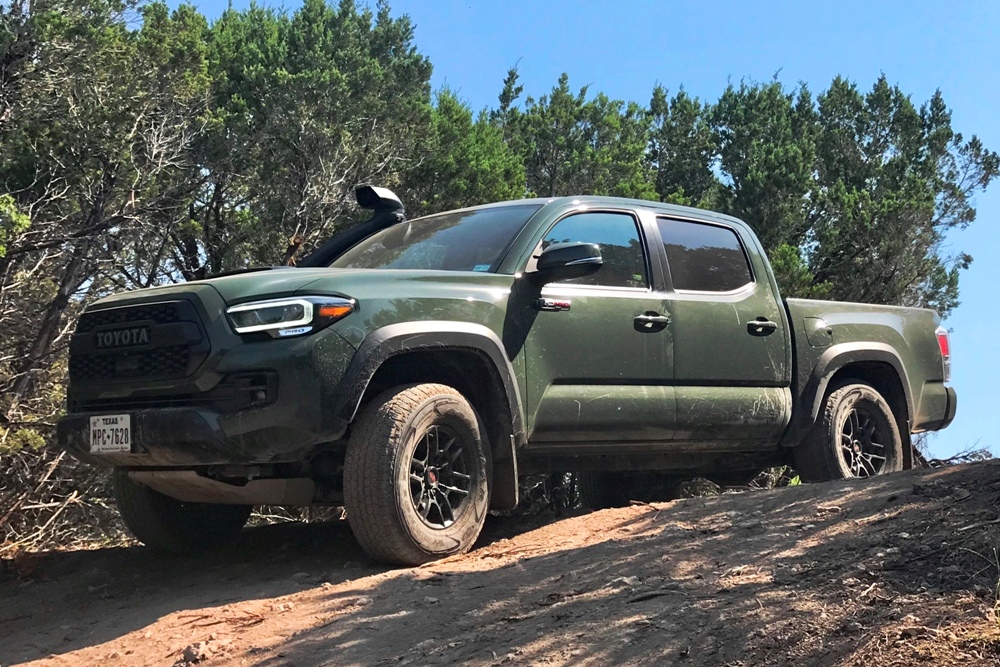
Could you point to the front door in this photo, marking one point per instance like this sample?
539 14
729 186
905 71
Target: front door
597 364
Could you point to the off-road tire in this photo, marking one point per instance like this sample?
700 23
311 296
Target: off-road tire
167 524
598 490
827 454
383 500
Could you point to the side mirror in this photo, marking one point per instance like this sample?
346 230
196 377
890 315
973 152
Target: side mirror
565 261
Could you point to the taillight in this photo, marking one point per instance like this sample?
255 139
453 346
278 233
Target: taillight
945 347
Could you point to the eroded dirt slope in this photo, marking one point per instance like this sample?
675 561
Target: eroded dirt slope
897 571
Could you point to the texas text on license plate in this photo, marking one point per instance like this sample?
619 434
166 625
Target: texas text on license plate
110 434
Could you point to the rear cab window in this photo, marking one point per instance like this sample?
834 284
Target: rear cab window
703 257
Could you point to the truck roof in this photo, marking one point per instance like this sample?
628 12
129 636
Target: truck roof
673 210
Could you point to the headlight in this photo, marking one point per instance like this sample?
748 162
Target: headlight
293 316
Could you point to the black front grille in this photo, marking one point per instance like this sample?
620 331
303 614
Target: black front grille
161 362
175 347
160 313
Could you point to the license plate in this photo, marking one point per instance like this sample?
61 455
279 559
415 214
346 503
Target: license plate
110 434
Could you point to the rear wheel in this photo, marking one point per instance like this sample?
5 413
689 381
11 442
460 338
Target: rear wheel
856 436
163 523
416 475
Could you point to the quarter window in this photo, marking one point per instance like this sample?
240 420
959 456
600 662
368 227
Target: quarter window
621 248
704 258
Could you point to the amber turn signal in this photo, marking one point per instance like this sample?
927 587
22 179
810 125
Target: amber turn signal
335 311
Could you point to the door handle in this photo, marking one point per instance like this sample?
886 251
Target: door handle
650 322
761 327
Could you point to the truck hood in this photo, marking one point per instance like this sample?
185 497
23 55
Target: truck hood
358 283
276 282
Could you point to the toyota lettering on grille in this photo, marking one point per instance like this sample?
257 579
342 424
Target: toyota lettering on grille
122 338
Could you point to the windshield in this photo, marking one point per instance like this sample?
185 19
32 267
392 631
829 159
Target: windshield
459 241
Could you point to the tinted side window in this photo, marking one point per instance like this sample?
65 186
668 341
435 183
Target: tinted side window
618 236
702 257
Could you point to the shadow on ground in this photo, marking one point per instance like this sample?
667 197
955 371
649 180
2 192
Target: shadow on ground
843 573
817 575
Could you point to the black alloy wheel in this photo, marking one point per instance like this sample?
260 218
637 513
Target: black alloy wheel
441 475
856 436
416 474
861 442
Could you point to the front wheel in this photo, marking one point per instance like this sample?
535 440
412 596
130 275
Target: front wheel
856 436
167 524
416 475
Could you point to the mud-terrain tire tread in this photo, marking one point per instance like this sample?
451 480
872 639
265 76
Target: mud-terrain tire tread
598 492
816 459
369 474
166 524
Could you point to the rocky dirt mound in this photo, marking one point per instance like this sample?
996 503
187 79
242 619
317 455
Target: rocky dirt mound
901 570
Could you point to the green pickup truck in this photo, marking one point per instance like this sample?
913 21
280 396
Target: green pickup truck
412 370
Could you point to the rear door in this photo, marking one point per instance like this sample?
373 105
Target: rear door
730 338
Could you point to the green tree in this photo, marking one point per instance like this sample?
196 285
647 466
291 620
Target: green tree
765 138
305 106
12 221
247 52
575 146
351 109
615 162
793 274
892 179
95 149
462 163
507 116
682 149
16 49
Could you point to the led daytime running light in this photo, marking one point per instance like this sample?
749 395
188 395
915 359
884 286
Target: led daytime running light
285 316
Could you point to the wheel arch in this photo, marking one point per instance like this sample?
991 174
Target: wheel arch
874 364
468 357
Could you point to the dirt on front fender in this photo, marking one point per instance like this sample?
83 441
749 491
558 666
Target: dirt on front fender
896 571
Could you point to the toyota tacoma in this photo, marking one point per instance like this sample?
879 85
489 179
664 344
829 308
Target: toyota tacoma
411 370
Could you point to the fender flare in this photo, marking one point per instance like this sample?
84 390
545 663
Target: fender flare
833 360
435 335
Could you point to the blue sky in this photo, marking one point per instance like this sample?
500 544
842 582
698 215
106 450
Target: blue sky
623 48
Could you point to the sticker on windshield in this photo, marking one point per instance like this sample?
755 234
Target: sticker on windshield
481 267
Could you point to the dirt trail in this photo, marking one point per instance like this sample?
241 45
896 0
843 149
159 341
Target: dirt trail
901 570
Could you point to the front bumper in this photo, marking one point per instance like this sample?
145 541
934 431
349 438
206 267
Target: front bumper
182 437
160 438
174 426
